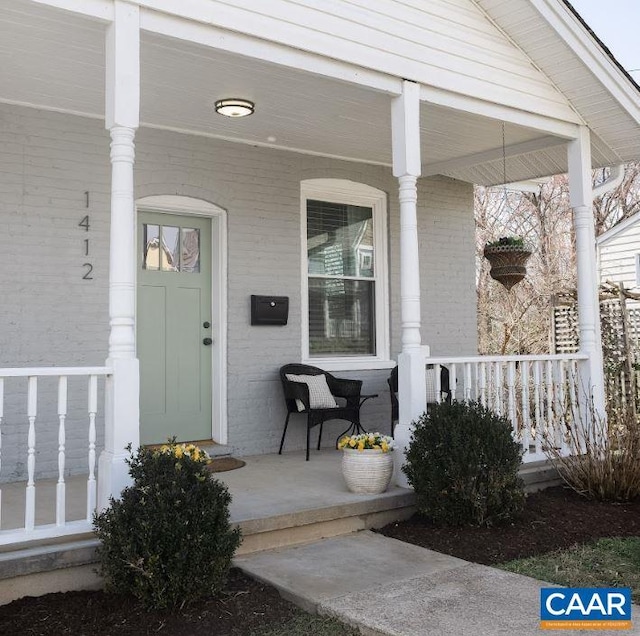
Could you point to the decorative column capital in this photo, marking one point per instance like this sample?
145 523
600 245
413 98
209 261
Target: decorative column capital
122 144
583 216
407 188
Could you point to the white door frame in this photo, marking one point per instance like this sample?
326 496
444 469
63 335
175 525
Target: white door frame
190 206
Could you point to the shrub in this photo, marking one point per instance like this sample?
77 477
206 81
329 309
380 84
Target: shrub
602 457
463 464
167 540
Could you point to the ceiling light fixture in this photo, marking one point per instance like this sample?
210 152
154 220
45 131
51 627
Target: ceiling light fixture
234 107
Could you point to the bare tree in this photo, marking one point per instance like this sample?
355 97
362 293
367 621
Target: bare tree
518 321
619 204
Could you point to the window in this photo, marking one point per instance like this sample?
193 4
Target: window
345 288
171 249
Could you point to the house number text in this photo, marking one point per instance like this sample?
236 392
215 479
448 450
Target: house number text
84 224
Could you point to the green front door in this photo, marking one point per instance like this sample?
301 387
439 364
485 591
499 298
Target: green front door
174 327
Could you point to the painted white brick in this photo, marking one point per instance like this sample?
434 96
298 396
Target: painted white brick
50 316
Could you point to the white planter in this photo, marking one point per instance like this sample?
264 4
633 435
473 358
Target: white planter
367 472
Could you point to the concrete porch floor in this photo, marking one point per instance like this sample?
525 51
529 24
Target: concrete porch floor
268 486
269 492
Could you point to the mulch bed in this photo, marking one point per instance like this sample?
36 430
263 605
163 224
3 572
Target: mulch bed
245 606
555 518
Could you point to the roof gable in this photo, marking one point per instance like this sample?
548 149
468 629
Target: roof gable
618 229
560 43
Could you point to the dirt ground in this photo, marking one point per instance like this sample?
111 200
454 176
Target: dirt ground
553 518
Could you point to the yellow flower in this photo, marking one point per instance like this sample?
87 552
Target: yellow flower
361 445
179 452
352 443
385 447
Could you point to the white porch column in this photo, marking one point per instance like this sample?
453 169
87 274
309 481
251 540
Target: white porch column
581 196
122 420
405 123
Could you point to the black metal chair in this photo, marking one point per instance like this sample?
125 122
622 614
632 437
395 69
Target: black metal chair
348 406
392 381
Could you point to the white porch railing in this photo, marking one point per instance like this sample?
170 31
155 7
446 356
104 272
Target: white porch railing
31 530
532 391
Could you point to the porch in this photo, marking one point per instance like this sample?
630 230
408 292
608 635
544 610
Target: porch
277 500
420 145
274 492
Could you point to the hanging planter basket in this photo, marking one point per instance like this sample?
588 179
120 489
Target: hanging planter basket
508 262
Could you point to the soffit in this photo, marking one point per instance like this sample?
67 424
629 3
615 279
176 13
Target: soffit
55 60
568 67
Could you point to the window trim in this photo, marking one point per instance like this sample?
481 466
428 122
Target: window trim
637 259
346 192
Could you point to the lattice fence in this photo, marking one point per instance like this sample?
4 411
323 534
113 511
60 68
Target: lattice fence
620 326
564 329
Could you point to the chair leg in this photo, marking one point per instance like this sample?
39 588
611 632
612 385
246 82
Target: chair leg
308 438
286 423
320 435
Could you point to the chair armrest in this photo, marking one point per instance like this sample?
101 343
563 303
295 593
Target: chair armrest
297 391
342 387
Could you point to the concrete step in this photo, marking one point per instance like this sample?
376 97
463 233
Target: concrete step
39 568
293 528
539 475
216 450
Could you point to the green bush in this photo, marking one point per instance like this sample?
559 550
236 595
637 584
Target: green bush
167 540
463 464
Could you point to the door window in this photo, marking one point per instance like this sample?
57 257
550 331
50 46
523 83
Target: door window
171 249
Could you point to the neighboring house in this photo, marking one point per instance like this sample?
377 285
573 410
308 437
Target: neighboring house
619 254
137 222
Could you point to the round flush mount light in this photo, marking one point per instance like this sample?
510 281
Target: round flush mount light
234 107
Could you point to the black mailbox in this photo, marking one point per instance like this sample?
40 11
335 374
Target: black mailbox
269 310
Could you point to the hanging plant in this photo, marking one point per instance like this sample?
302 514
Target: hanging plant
508 257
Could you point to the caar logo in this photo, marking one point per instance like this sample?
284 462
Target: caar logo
585 608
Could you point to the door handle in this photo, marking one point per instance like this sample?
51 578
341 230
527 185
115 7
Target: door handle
207 341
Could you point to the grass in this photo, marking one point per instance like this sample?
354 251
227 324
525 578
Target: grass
602 563
303 624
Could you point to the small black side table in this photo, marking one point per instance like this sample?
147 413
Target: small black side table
356 428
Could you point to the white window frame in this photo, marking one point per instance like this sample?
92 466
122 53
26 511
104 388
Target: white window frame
345 192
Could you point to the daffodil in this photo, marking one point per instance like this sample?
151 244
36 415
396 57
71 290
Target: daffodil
367 441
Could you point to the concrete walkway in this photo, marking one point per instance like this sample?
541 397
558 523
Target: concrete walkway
384 586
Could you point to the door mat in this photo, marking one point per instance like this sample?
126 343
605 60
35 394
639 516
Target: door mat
223 464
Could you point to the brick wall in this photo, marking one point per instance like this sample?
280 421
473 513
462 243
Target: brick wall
49 315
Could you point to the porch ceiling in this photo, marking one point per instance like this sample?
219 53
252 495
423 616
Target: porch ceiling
56 60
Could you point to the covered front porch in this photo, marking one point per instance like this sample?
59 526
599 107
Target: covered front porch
136 78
